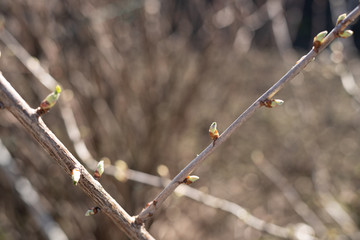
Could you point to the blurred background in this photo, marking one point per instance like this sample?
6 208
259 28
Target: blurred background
142 82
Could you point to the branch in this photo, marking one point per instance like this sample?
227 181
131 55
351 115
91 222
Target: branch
269 94
27 116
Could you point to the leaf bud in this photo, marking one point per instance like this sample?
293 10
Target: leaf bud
346 34
99 170
190 179
75 175
340 18
92 211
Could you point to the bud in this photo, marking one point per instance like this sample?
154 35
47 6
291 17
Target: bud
340 18
346 34
276 102
99 170
320 36
190 179
75 175
51 99
213 132
318 40
270 103
92 211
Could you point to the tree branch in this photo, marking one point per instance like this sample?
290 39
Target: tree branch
269 94
27 116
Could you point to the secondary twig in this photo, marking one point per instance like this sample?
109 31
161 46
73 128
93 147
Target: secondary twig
295 70
27 116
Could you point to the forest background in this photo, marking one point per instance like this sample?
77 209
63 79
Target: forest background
145 79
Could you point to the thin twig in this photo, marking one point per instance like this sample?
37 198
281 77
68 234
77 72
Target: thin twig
27 116
294 71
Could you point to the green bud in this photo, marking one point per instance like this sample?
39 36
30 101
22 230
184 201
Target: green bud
340 18
99 170
75 175
88 213
51 99
92 211
57 89
276 102
100 167
190 179
346 34
193 178
213 127
320 36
